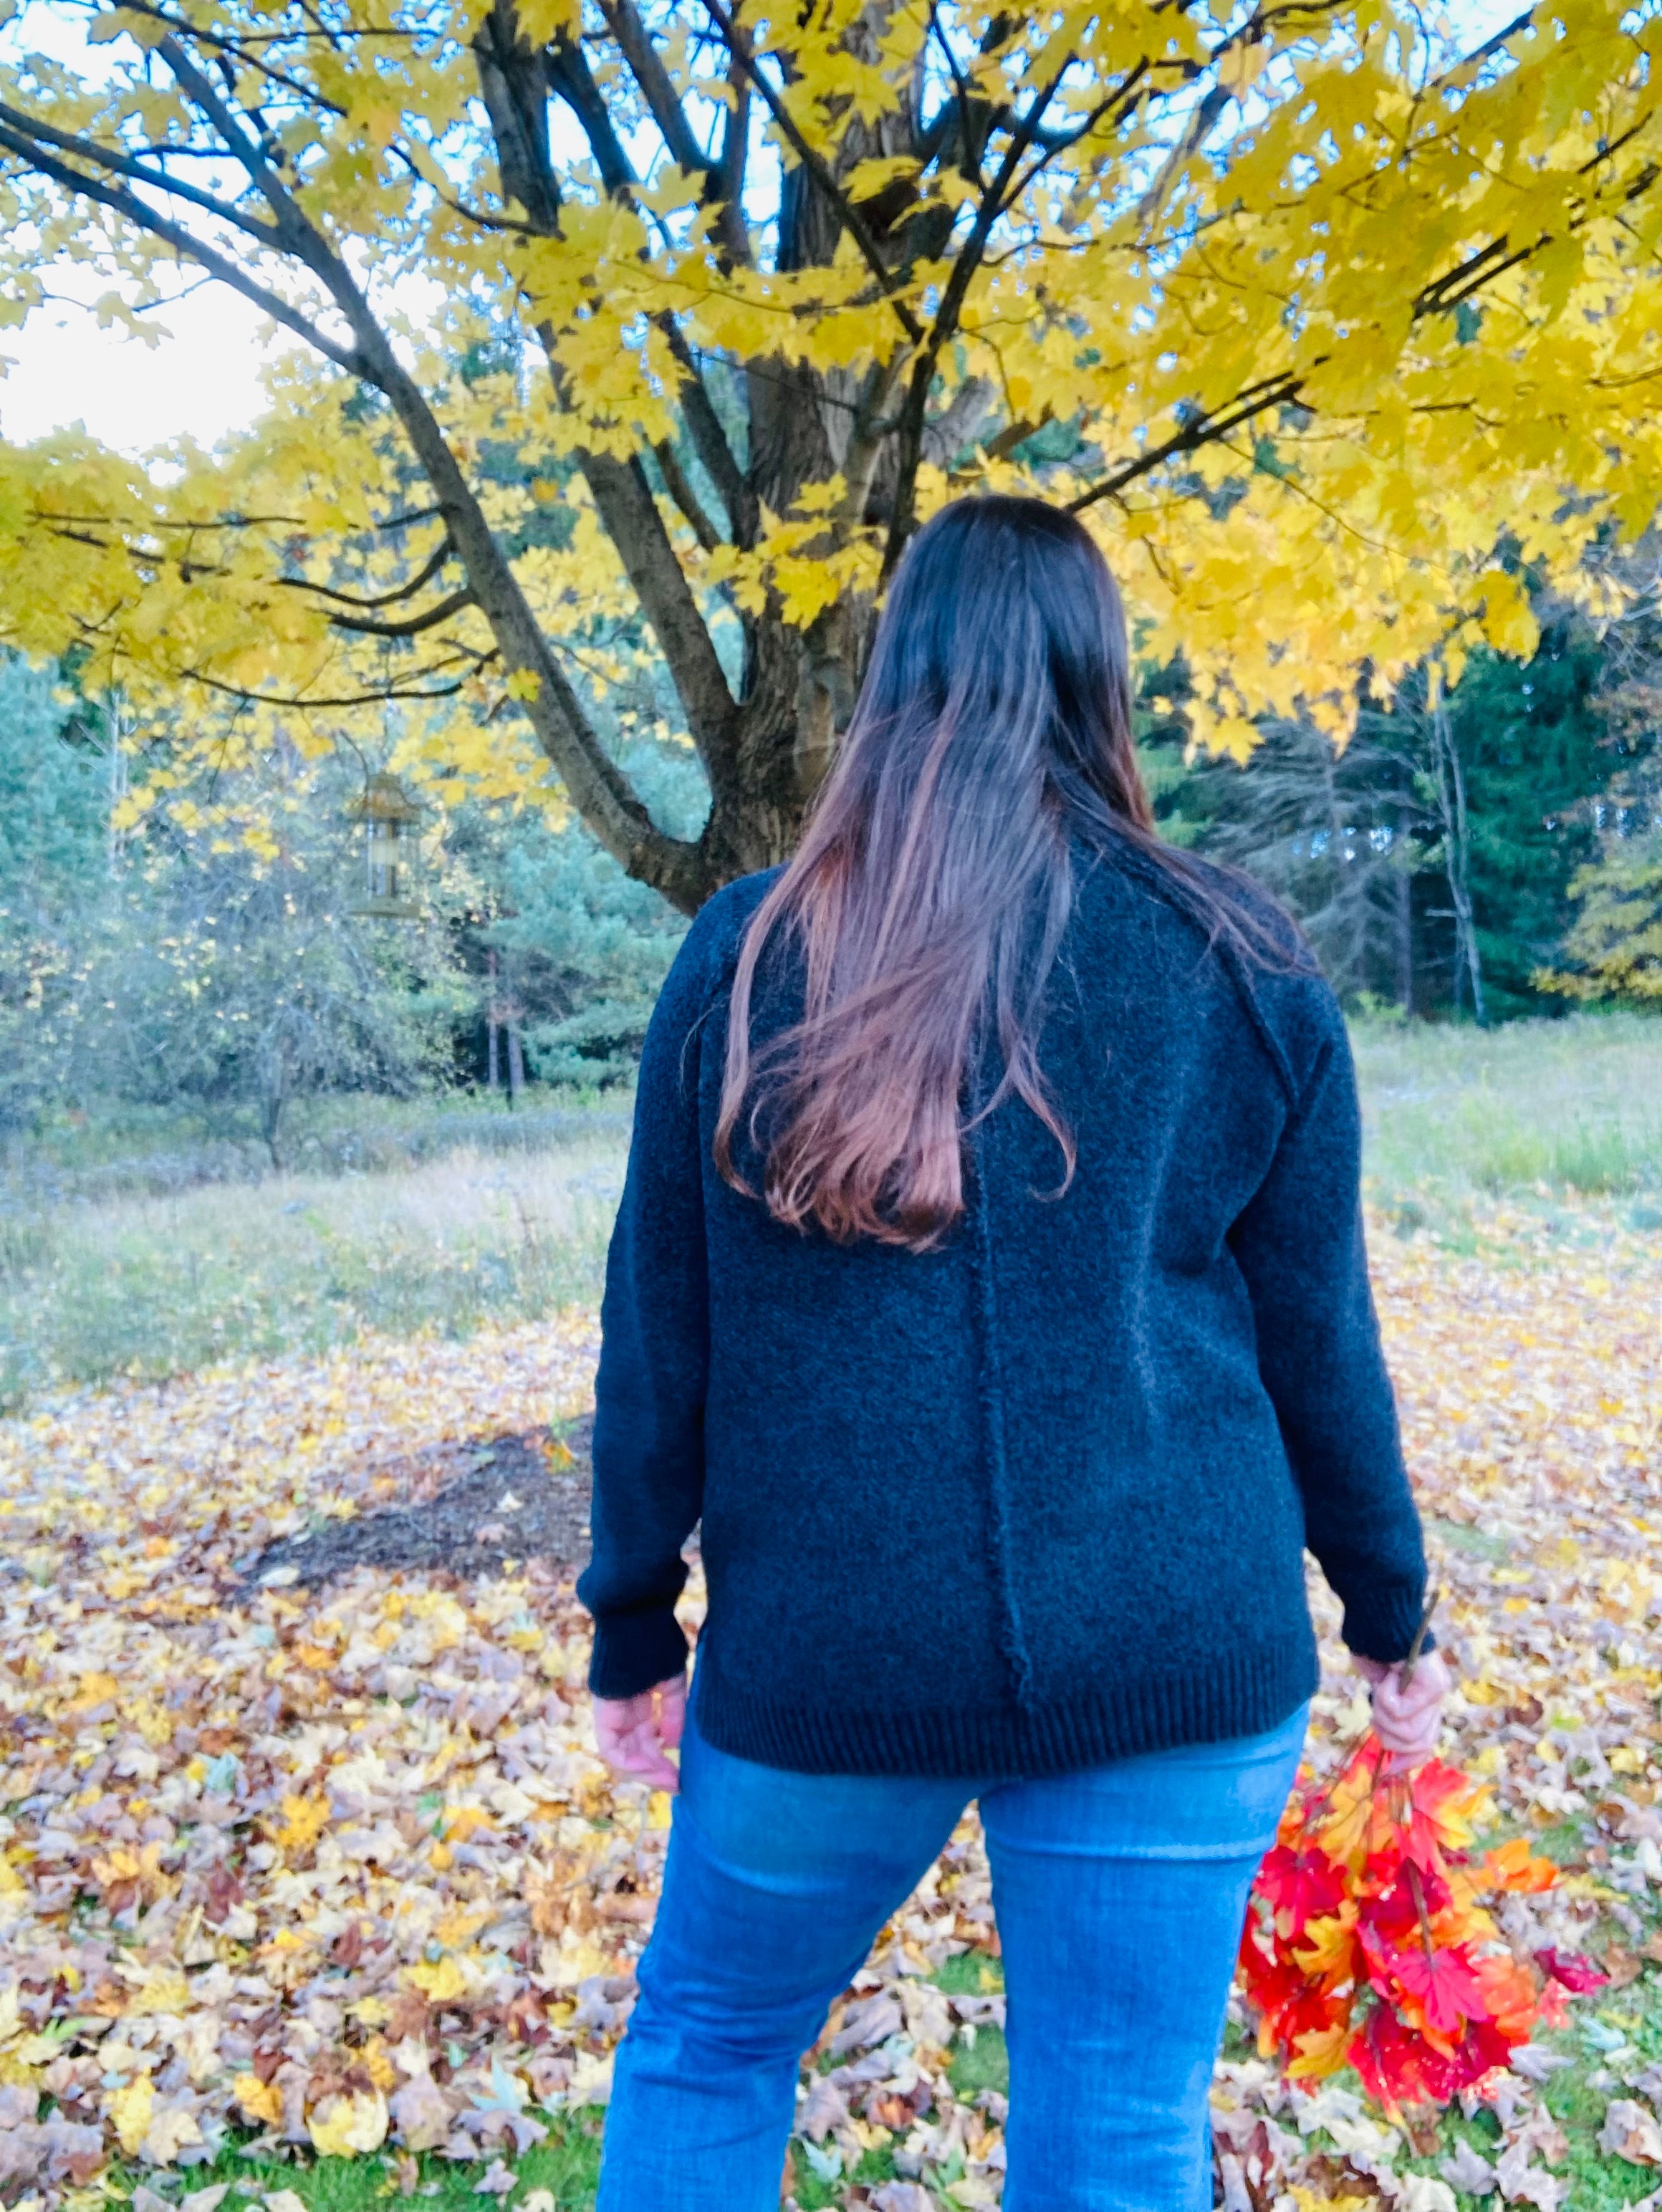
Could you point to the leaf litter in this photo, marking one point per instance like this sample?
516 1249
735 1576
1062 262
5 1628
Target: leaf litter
304 1851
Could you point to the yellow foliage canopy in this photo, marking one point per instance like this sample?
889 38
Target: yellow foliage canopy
1325 325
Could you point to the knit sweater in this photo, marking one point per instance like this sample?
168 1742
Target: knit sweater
1038 1499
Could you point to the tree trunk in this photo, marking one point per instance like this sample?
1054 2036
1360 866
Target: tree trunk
1403 922
515 1061
1452 806
492 1026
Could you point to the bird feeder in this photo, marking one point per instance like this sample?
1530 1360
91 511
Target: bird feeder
390 819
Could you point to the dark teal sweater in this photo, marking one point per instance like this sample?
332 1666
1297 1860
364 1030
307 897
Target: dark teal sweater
1039 1499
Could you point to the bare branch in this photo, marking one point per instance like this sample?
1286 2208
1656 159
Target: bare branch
676 483
711 440
572 77
1201 429
311 706
945 323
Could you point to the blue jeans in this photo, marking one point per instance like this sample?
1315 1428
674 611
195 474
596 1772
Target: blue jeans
1120 1894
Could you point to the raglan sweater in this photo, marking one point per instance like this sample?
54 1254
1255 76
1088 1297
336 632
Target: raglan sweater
1038 1499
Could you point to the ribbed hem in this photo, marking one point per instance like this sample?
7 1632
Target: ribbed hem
1382 1621
1248 1694
635 1651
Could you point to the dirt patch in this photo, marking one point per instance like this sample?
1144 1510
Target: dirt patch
471 1510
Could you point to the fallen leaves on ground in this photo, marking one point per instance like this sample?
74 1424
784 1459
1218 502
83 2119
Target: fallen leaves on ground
290 1872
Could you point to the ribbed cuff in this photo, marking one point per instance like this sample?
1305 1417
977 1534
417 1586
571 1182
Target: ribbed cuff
1382 1621
635 1651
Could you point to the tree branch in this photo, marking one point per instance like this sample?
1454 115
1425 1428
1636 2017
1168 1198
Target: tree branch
945 323
1202 430
428 570
571 76
514 85
122 201
676 484
312 706
710 441
636 45
817 166
122 165
412 625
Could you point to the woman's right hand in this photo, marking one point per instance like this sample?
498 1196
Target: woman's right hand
1408 1715
635 1735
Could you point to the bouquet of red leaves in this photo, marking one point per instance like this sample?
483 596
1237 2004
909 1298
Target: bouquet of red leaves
1368 1942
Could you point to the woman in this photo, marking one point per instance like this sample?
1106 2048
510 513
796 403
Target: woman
990 1280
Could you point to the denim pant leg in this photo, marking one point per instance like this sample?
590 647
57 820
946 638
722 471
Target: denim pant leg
775 1885
1120 1894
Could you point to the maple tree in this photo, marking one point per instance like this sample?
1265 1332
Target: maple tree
1329 327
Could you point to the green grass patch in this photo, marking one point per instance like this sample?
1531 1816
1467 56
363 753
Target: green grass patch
567 2163
982 2064
1460 1536
148 1286
970 1974
1552 1113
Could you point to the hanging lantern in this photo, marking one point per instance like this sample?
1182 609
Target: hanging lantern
391 848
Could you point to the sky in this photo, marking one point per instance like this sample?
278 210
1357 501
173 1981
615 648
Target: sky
202 377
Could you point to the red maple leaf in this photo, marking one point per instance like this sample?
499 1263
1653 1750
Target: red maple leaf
1578 1975
1392 1907
1443 1984
1399 2067
1299 1886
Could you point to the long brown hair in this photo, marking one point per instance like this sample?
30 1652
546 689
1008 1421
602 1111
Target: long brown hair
932 889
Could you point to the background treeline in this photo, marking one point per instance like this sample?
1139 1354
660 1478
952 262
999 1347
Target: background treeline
1493 854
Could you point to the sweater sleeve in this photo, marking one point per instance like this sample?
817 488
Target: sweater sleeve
1300 1246
649 1393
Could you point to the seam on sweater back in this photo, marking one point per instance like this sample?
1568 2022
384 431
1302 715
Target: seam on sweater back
989 1390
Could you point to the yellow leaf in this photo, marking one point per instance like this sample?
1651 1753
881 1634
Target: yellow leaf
172 2129
163 1990
261 2100
304 1819
524 684
1330 1943
1320 2051
439 1980
1508 621
128 2112
349 2127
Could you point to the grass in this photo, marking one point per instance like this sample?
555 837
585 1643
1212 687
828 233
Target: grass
137 1245
567 2163
1540 1111
146 1283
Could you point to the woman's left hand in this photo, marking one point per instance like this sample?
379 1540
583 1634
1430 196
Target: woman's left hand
1408 1715
635 1735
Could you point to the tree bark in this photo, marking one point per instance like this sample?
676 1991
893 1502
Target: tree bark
1451 806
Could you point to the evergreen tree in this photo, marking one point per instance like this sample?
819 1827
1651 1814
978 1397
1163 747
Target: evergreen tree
1431 861
1536 756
